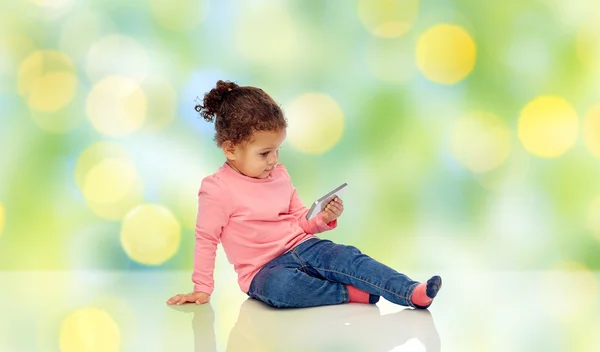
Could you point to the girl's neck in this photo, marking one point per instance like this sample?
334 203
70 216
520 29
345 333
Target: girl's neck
233 167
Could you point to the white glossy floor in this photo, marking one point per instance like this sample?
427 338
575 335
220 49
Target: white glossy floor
116 311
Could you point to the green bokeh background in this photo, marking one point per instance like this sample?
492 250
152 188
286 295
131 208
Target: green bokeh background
410 202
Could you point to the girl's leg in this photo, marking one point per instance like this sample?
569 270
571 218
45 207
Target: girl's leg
283 283
347 265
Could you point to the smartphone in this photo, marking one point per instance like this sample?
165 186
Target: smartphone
322 202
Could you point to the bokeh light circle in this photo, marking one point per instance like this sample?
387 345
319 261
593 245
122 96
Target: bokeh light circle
112 188
47 80
179 15
445 54
52 91
591 130
89 330
96 153
150 234
108 180
480 142
388 18
316 123
116 106
548 126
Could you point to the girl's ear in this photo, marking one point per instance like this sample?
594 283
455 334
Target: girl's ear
229 150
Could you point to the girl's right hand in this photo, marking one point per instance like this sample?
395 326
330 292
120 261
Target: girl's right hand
194 297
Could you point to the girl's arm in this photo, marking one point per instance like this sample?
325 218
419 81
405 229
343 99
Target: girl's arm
312 226
213 215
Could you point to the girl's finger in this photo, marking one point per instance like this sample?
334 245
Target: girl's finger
335 207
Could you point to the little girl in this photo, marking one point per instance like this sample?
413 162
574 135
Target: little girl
251 206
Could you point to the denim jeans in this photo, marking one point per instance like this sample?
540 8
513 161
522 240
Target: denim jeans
316 273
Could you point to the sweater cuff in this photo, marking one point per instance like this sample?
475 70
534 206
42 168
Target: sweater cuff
322 226
203 288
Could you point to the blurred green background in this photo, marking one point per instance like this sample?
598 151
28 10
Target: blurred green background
469 133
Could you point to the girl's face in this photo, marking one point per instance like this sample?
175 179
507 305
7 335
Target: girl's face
257 157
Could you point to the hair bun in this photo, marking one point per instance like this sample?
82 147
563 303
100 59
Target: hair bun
213 100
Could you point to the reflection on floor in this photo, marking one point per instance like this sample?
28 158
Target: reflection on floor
352 327
127 311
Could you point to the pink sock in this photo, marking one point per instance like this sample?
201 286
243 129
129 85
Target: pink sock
357 296
419 296
424 293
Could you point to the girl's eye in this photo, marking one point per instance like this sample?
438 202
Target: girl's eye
264 154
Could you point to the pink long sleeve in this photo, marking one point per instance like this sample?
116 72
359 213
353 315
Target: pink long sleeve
212 217
255 220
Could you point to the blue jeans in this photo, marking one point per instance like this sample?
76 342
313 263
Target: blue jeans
316 273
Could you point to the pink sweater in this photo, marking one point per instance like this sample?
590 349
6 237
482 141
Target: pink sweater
256 220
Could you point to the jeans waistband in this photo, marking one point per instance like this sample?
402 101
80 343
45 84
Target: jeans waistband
304 243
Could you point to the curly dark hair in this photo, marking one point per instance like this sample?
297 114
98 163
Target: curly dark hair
239 111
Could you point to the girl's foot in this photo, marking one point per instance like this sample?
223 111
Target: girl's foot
424 294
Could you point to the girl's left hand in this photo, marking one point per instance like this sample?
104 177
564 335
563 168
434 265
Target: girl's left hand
332 211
